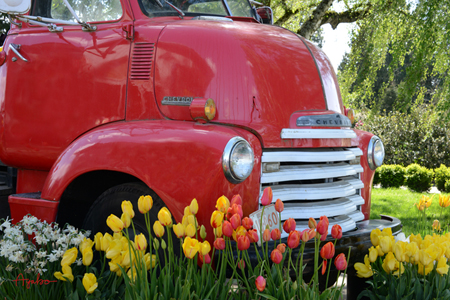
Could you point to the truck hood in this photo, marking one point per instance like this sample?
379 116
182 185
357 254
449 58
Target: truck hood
259 76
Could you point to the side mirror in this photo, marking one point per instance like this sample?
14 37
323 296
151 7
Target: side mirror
265 13
15 7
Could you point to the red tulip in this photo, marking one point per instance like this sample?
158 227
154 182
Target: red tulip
289 225
235 221
247 223
276 256
275 234
293 239
236 200
241 264
207 259
282 247
235 209
327 251
266 235
267 196
243 242
219 244
308 234
312 223
253 236
336 231
260 283
279 206
227 229
323 237
322 227
340 262
324 266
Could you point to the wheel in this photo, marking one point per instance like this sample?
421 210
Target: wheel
110 203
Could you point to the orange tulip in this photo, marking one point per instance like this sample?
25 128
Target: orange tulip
340 262
236 200
281 247
275 234
267 196
327 251
276 256
260 283
266 235
293 239
227 229
243 242
322 227
279 206
247 223
253 236
235 221
336 231
289 225
219 244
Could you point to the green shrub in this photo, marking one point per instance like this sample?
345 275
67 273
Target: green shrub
418 178
391 175
441 175
376 177
447 186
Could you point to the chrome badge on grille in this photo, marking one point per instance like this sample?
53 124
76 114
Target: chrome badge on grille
331 120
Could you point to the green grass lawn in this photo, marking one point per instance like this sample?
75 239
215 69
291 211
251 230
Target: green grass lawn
399 203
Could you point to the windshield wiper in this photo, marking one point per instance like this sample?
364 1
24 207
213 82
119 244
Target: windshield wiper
86 26
179 11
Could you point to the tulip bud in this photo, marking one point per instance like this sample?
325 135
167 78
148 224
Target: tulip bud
219 244
156 243
227 229
323 237
158 229
266 235
141 242
235 221
279 205
247 223
165 217
327 251
207 258
324 266
163 244
241 264
179 230
260 283
312 223
276 256
293 239
281 247
190 230
223 204
145 203
193 207
267 196
295 285
87 256
218 231
336 231
126 220
187 211
205 247
322 227
289 225
216 219
275 234
236 200
243 242
127 208
114 223
98 241
203 232
90 282
340 262
253 236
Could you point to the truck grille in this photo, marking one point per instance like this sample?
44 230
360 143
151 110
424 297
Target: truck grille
316 182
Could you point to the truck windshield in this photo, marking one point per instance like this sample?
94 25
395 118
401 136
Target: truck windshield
241 8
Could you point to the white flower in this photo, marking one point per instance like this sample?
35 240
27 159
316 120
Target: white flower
6 224
53 257
79 262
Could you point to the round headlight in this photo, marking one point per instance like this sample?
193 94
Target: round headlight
237 160
375 153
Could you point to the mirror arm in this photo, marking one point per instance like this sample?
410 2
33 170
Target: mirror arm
51 27
86 26
11 20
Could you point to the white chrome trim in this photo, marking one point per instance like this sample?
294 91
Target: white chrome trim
309 156
356 215
288 133
355 182
345 222
306 172
331 208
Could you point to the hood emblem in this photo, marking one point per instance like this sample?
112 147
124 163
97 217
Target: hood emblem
183 101
330 120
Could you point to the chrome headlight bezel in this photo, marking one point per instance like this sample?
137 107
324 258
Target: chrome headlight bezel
233 175
375 153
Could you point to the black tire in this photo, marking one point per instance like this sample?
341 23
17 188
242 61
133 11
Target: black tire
110 203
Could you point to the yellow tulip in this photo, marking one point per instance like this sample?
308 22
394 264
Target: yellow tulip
66 273
190 230
390 263
179 230
114 264
442 266
193 207
98 241
385 243
141 242
444 201
117 235
126 220
364 270
127 208
114 223
85 244
373 254
190 247
374 237
90 282
400 251
158 229
87 256
223 204
415 238
132 275
145 203
104 242
387 231
380 252
216 219
218 231
412 251
436 225
164 217
425 258
114 249
205 248
127 259
187 211
421 267
69 257
147 261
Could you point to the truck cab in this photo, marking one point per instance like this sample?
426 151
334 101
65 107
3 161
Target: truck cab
101 101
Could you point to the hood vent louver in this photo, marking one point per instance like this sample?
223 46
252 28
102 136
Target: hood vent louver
141 61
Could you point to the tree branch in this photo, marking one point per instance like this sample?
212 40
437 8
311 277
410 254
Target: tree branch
334 19
313 23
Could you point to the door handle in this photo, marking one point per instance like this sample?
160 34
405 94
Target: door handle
16 48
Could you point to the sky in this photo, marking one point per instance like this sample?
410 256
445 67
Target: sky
336 43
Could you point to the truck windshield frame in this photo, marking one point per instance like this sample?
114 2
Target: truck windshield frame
241 8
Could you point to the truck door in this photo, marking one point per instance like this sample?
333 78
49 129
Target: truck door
72 80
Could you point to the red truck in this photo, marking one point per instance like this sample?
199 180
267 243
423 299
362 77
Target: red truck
102 101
